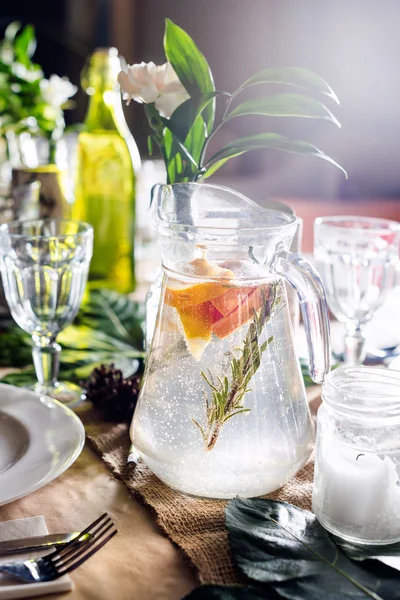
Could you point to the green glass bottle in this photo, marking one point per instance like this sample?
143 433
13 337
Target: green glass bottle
107 157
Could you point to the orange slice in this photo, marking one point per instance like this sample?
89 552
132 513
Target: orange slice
197 322
180 294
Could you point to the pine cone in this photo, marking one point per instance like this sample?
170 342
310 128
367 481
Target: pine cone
112 395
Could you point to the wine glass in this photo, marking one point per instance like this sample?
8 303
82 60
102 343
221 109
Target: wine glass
356 258
44 267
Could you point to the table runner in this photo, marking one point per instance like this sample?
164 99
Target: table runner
196 525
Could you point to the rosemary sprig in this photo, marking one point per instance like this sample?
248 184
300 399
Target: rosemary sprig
227 395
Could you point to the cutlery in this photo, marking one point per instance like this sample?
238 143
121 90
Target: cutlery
64 560
40 542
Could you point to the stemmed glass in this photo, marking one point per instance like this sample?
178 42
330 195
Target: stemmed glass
356 258
44 267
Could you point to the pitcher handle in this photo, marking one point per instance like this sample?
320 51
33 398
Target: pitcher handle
310 290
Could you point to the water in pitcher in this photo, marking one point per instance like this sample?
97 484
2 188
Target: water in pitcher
222 408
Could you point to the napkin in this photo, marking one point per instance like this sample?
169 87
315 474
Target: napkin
11 588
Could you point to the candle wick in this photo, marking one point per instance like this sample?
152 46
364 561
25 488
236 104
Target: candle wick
358 456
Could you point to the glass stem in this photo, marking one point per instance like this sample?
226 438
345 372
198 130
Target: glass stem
354 345
46 359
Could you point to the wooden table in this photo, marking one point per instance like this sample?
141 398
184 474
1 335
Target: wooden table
140 563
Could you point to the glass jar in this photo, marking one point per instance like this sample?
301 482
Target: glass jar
356 483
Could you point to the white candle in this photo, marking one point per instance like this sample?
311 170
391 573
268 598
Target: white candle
359 489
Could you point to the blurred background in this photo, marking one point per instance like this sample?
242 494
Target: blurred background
354 45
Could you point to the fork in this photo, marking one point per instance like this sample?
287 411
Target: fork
63 561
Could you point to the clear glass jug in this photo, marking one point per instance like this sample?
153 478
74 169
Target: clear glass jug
222 409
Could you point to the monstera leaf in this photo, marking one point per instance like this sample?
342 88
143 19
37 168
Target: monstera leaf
285 547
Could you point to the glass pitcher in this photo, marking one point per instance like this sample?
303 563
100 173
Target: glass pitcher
222 409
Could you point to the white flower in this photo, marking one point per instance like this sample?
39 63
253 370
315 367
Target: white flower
147 83
57 90
22 72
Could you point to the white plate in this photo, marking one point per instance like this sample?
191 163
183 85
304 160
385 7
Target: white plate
39 439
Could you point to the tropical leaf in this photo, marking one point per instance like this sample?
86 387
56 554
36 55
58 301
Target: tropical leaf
15 347
284 105
263 140
183 117
108 329
286 548
77 366
194 143
295 76
114 315
190 66
179 162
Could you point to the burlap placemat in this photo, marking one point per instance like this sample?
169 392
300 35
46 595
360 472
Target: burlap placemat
195 525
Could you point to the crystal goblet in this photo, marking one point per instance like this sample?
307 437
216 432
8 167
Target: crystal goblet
356 258
44 267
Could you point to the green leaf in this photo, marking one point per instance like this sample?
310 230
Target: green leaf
25 45
183 117
295 76
230 592
285 547
22 378
190 66
188 127
178 159
115 315
194 143
285 105
15 348
263 140
77 366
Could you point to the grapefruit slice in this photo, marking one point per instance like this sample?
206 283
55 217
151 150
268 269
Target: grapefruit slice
232 298
240 315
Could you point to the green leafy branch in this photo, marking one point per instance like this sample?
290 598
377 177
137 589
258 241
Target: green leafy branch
23 105
227 395
185 137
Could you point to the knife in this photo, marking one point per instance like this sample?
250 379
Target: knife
40 542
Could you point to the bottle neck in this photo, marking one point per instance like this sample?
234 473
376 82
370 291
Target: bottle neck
105 112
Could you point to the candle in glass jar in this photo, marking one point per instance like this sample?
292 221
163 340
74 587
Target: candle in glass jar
356 491
359 489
